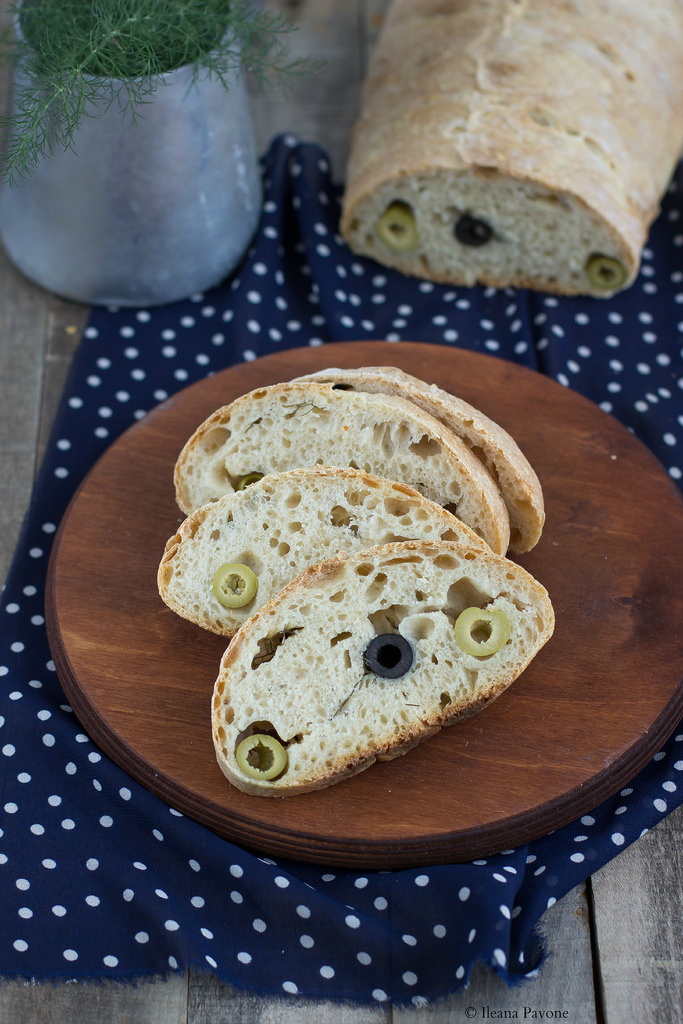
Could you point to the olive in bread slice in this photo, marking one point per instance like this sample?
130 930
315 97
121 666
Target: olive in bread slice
361 657
256 540
516 478
293 425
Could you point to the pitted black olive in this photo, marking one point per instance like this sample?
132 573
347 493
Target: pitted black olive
472 231
388 655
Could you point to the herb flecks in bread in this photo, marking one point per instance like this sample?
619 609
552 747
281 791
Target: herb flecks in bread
316 693
305 423
526 143
232 555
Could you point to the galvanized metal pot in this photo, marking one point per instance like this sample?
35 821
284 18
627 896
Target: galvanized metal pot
142 212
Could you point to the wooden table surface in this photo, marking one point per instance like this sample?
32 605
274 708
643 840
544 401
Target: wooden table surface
617 940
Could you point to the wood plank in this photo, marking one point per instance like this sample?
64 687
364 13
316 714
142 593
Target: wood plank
639 927
21 358
320 108
149 1002
38 335
23 312
565 982
64 326
211 1001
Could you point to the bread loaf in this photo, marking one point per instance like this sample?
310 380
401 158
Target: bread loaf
299 424
280 525
359 659
516 479
517 142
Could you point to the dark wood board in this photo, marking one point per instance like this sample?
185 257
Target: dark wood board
588 713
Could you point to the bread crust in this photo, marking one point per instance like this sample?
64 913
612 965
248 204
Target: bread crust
314 690
514 105
495 447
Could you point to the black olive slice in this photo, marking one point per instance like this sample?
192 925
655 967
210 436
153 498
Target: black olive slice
472 231
388 655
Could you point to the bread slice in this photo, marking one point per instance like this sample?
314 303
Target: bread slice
523 144
516 478
299 675
285 522
298 424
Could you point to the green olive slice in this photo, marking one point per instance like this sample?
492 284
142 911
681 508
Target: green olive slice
260 756
605 273
482 631
396 227
250 478
234 585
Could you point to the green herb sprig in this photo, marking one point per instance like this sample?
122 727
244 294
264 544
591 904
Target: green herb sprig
78 55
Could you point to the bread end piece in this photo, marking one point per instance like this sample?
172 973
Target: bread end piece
514 475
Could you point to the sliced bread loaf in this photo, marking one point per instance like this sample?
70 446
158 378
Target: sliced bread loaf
516 478
272 530
517 142
299 424
362 657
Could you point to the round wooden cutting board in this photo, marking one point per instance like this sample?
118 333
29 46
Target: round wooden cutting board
587 714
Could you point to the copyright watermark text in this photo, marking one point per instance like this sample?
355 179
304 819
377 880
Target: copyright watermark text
523 1013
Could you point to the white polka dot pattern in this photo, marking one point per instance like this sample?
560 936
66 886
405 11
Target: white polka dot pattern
98 877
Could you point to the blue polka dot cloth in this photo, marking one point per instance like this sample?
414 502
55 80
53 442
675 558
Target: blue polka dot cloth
101 879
